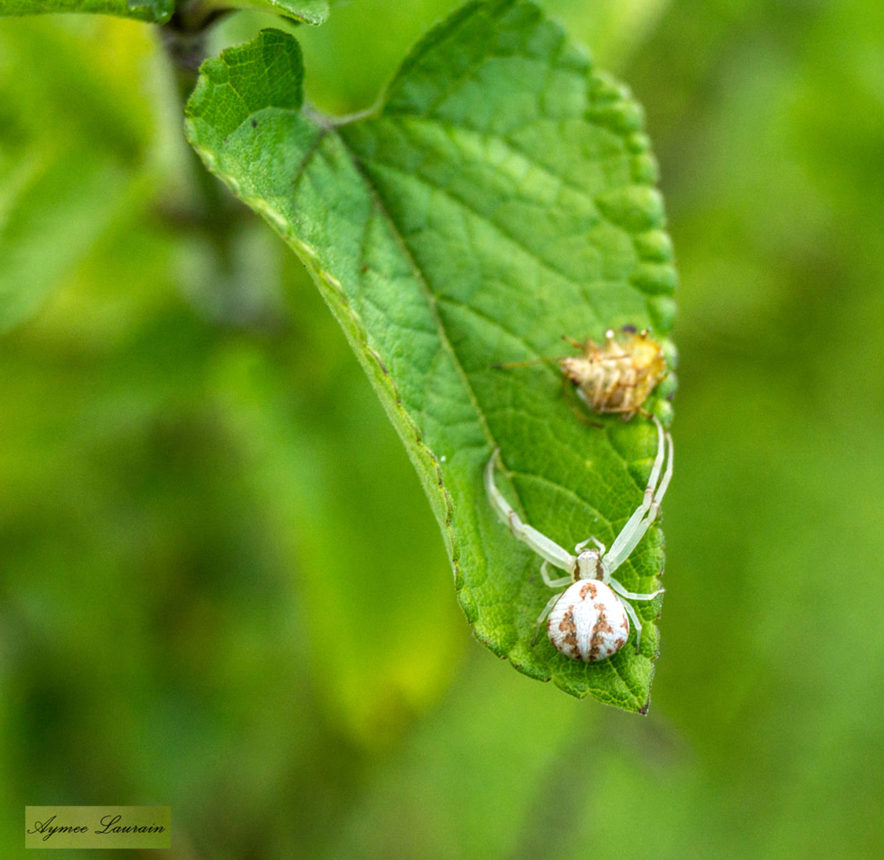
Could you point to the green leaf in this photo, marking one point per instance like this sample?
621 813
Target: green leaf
160 11
309 11
499 197
154 11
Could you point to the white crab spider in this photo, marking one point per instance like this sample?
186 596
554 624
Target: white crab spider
588 621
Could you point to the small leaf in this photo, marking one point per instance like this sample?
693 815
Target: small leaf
154 11
499 198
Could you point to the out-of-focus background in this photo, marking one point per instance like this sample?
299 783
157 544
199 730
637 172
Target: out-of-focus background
220 585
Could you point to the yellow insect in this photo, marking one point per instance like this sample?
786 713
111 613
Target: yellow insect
616 376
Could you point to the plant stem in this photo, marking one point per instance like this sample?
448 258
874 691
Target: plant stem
217 215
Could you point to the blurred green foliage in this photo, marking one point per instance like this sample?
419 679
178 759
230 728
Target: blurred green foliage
221 587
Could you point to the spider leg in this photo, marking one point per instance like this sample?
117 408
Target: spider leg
654 477
636 622
632 595
543 616
547 549
633 525
647 511
580 547
554 583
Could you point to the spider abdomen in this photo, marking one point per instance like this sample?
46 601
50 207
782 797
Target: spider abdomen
588 622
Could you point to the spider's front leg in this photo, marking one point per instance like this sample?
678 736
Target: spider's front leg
647 511
547 549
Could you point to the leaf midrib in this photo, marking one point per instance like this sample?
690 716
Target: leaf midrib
429 296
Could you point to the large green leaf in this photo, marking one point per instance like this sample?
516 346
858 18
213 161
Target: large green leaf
499 197
155 11
160 11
